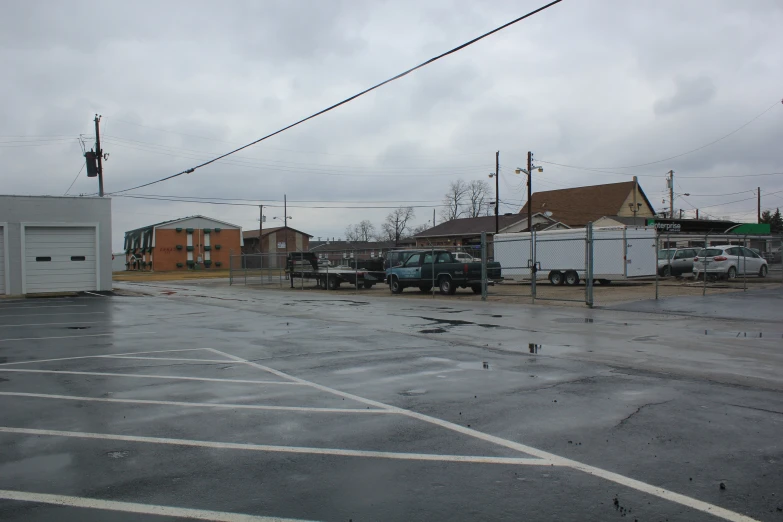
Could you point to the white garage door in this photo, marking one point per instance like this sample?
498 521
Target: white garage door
2 262
59 259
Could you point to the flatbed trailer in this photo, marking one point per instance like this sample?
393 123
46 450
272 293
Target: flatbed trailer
306 266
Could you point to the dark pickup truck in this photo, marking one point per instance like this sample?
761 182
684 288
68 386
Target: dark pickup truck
425 268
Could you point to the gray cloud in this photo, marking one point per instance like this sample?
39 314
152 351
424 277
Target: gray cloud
688 93
587 84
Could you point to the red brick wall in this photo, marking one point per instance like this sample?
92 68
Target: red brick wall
165 255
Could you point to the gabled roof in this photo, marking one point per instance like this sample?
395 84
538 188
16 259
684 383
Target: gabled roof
326 246
470 226
580 205
168 222
253 234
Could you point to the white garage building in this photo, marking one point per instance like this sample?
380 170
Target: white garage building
54 244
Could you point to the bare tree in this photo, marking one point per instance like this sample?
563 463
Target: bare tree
454 200
362 231
396 225
418 229
477 198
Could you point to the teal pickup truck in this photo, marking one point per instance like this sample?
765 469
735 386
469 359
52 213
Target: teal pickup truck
424 269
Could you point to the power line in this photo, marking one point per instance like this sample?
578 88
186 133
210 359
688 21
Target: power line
298 151
590 169
683 153
264 201
193 154
133 196
74 179
347 100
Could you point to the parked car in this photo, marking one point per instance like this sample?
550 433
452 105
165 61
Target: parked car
729 261
773 256
464 257
676 261
425 268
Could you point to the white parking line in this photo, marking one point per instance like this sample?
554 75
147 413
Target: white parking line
141 509
102 356
142 376
283 449
69 337
27 307
551 458
197 404
47 324
62 313
131 357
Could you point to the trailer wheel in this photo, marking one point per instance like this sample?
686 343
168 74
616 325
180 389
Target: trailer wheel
447 286
555 277
368 285
333 283
476 289
605 281
571 278
395 286
425 289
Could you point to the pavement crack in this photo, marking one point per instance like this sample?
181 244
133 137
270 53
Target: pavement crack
640 408
754 408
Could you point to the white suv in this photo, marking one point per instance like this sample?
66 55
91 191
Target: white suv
729 261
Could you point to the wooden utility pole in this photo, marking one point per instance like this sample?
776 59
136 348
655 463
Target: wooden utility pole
99 153
497 192
671 194
758 207
285 223
529 191
697 213
260 227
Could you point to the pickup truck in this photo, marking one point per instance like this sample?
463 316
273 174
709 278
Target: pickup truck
422 268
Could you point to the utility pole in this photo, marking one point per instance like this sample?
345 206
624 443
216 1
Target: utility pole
285 222
680 213
758 207
671 194
529 191
433 217
697 213
497 192
260 227
635 189
99 153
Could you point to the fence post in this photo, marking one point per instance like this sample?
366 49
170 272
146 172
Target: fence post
668 248
484 266
356 270
657 249
704 274
533 267
230 267
432 259
744 265
589 290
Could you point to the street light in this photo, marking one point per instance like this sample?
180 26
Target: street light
530 168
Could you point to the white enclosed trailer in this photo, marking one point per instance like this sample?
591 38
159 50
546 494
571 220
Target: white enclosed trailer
560 256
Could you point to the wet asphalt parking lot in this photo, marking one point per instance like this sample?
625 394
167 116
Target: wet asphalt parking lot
203 401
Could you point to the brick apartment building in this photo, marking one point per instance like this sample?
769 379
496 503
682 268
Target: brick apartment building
179 244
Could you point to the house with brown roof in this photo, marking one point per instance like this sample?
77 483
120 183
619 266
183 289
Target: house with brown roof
466 232
576 207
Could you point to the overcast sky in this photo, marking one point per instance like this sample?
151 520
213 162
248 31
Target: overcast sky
601 84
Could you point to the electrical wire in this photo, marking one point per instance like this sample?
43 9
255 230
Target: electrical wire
347 100
298 151
74 179
193 154
133 196
676 155
264 201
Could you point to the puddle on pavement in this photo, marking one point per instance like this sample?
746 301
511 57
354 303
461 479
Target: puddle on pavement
574 320
744 334
76 327
349 302
432 331
412 393
441 323
478 365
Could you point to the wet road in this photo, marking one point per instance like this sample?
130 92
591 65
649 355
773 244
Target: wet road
316 406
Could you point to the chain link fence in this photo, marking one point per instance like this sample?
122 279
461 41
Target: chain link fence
591 266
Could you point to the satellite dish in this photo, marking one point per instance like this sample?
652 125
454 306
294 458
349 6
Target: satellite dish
548 213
